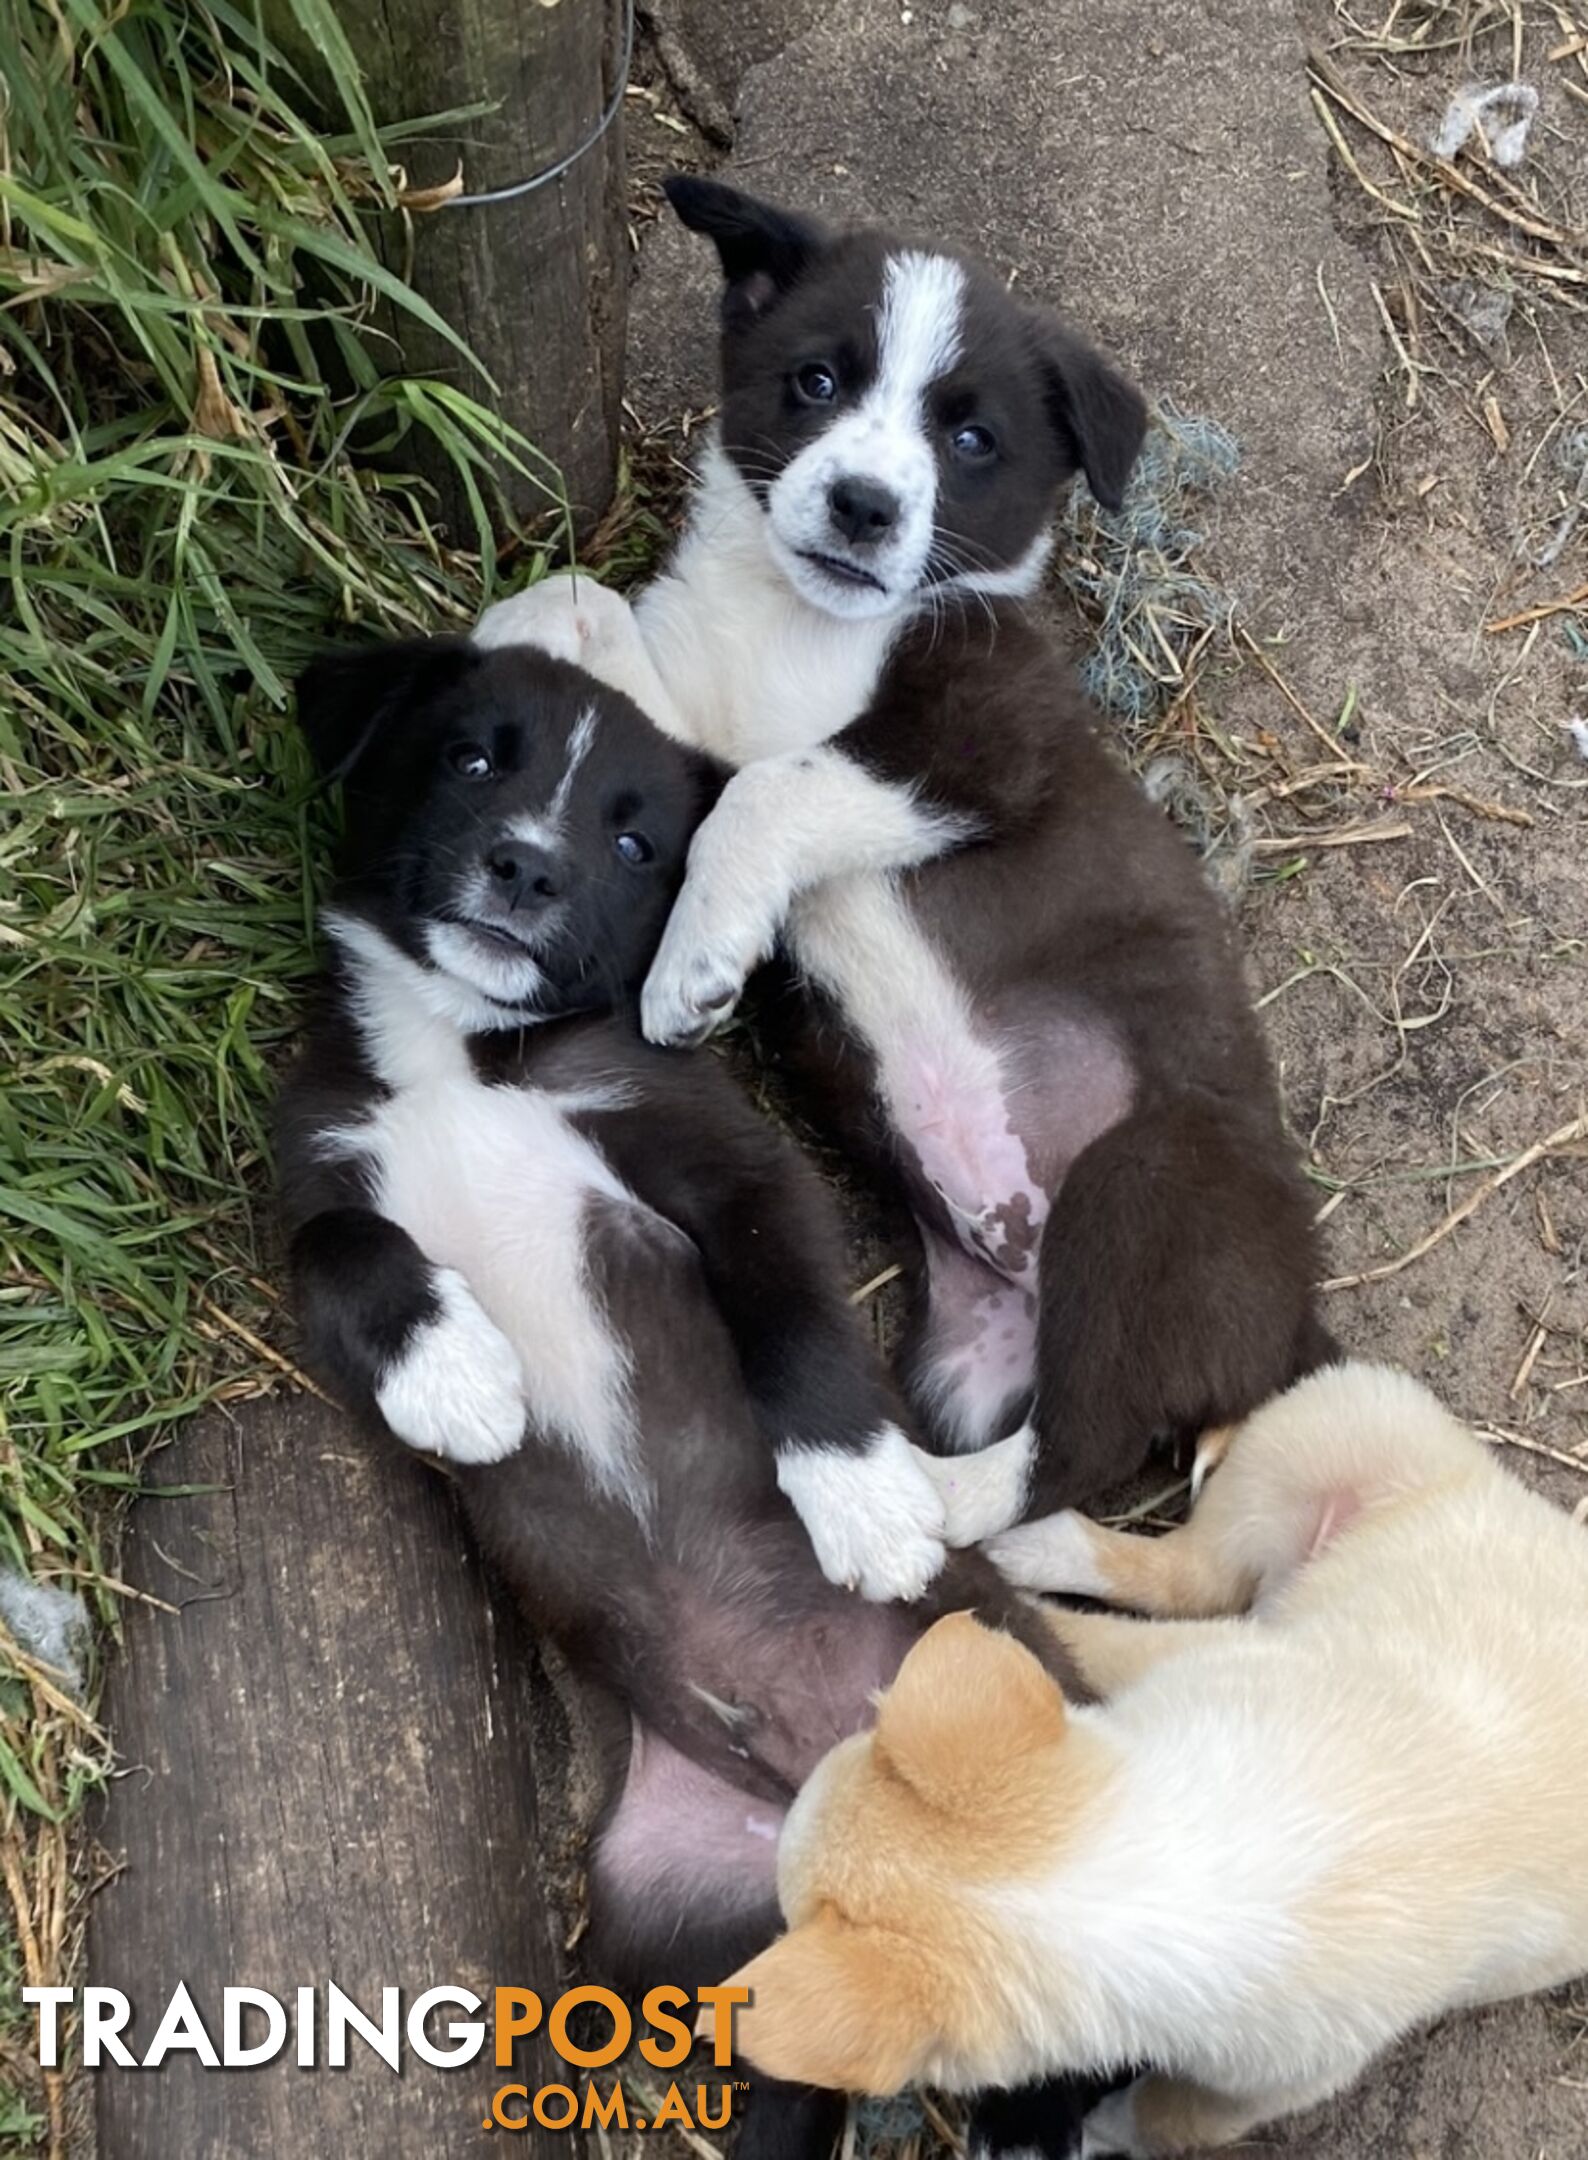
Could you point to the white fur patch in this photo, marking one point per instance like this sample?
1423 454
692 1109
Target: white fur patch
1055 1554
751 667
780 826
982 1493
573 618
874 1518
494 1182
579 741
545 828
406 1004
884 440
920 335
458 1389
476 989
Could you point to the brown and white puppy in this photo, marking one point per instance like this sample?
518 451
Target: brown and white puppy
1014 993
1346 1800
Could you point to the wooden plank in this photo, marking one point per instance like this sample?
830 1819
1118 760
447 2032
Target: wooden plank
331 1758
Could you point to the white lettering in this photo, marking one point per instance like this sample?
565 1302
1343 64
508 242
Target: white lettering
181 2027
236 2052
49 2001
342 2013
105 2013
467 2038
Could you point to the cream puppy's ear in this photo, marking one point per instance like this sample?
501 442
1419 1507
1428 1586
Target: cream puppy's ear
851 2008
969 1707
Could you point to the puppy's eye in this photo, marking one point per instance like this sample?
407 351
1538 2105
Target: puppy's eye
816 384
634 848
971 444
471 761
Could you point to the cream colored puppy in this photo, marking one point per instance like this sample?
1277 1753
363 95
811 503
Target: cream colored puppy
1284 1841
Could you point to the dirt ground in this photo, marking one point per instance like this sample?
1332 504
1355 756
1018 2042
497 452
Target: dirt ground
1414 904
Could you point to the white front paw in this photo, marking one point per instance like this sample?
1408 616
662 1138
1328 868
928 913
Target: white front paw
984 1492
457 1390
1110 2129
700 971
1055 1554
569 616
874 1518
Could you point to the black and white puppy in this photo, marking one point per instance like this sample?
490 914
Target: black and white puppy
1015 991
586 1272
516 834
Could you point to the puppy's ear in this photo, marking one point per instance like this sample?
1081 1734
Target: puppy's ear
344 699
763 250
969 1705
834 2004
1100 417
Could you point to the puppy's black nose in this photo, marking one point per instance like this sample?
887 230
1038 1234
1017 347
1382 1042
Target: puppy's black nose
523 875
863 510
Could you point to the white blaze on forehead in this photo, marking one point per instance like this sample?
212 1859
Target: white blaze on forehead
579 742
545 829
918 332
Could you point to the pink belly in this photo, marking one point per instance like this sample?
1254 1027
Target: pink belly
976 1163
680 1830
994 1124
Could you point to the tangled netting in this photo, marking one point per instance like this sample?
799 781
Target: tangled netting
882 2125
1133 569
49 1624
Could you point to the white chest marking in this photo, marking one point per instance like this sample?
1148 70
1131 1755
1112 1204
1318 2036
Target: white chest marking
751 668
495 1182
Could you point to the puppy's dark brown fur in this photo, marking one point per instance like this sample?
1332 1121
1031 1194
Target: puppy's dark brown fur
1178 1260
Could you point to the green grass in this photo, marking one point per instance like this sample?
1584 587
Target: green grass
205 474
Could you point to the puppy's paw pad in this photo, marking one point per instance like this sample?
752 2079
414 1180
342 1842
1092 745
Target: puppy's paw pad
874 1517
457 1389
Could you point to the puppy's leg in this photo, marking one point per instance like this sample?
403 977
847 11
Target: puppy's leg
1292 1478
386 1326
1166 2115
983 1493
781 826
771 1247
1197 1572
1033 2122
1176 1292
1110 1650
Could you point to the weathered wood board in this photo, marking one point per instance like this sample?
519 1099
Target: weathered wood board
330 1773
